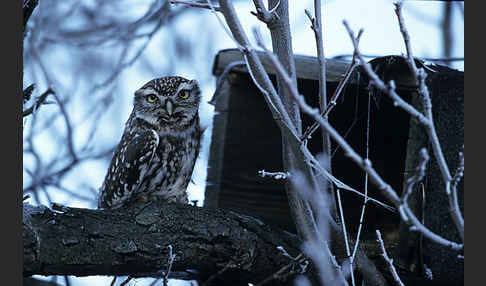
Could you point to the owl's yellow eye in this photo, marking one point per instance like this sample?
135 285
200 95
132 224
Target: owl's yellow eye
151 98
184 94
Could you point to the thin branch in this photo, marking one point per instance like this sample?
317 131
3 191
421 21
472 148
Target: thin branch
274 175
346 241
419 75
388 89
417 176
365 200
38 103
321 59
126 281
406 39
388 260
287 270
339 90
455 180
195 4
317 27
445 60
459 170
364 164
425 119
170 261
27 92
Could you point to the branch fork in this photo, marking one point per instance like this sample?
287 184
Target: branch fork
269 17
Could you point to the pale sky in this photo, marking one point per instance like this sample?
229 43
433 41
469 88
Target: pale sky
381 37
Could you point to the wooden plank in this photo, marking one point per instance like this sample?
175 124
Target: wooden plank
216 152
306 67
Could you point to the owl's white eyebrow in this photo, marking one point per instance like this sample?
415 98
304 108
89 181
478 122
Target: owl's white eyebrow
145 91
185 86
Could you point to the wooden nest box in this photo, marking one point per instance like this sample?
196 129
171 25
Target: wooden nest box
246 139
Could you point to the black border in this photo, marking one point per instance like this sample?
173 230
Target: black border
11 120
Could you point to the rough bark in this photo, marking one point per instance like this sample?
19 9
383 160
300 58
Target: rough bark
134 241
292 159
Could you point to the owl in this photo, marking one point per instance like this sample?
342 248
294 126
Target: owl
159 146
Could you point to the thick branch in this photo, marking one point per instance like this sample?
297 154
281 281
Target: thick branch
300 210
134 241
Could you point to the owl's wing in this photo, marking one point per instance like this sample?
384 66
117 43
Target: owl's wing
128 168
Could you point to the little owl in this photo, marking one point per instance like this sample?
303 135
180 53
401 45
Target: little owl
156 155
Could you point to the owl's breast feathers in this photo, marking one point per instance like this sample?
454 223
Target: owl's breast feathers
152 163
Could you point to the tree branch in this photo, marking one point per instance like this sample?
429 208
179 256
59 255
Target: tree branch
194 4
28 7
388 260
364 164
134 241
300 210
38 103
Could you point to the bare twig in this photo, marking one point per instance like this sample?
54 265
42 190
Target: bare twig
126 281
388 260
425 119
317 27
38 103
456 179
445 60
346 241
170 261
388 89
274 175
365 200
419 75
417 176
27 92
194 4
339 89
321 59
406 213
288 270
365 164
459 170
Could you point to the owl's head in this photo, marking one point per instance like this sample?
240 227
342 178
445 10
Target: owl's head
168 101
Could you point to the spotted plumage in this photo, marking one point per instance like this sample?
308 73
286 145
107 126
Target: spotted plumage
156 155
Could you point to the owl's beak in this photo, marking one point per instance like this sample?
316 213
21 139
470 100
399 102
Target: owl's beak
169 106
